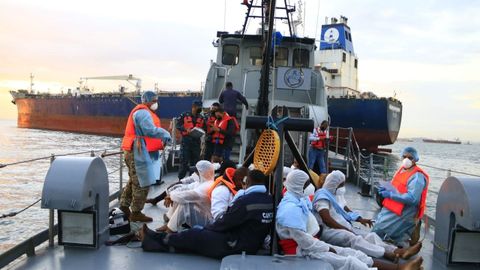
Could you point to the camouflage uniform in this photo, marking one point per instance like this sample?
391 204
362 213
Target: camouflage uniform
133 195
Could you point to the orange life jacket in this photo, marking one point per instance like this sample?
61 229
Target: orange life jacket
400 182
229 172
222 124
188 123
153 144
321 142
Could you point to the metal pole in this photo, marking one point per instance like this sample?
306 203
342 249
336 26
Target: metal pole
358 167
347 151
336 143
92 153
278 188
51 218
120 175
371 174
449 173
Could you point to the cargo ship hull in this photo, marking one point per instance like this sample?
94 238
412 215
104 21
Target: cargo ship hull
93 114
374 121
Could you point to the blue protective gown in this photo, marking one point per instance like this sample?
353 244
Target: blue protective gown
147 164
399 228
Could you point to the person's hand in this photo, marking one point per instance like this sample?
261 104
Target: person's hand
332 250
385 194
168 201
246 107
189 130
365 222
381 188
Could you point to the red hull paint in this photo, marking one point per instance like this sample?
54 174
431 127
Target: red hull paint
368 139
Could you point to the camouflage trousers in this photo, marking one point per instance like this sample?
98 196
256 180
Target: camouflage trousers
133 195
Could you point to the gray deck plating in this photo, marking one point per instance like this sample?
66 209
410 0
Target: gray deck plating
123 257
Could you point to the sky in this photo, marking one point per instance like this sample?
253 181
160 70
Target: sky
427 52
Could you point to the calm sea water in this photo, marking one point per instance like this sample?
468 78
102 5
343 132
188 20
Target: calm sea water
21 185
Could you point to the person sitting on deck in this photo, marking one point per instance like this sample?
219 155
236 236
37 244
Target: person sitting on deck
242 228
295 222
224 188
339 231
404 202
190 207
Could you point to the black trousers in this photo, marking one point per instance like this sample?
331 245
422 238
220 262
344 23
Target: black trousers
200 241
189 156
209 147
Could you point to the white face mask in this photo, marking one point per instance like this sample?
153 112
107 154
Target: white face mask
341 191
154 106
407 163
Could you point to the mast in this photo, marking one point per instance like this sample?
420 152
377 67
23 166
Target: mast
262 104
31 83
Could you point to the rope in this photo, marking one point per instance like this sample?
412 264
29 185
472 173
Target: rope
53 155
12 214
453 171
272 124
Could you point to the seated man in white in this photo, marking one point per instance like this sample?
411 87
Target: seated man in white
338 229
295 221
190 207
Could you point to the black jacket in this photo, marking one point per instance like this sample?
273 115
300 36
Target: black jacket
247 222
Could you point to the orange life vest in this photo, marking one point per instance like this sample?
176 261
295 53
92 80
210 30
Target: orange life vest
400 182
222 124
321 142
188 123
153 144
229 172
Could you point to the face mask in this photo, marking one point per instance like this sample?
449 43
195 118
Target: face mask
154 106
341 191
407 163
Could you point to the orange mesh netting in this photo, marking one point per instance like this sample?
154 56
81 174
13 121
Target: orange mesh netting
267 151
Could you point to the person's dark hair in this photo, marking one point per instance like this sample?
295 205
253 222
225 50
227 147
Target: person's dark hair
229 85
226 164
220 109
324 122
216 104
256 177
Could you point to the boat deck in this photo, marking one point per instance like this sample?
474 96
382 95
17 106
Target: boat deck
132 256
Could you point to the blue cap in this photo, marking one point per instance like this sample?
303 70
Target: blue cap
148 96
197 103
412 151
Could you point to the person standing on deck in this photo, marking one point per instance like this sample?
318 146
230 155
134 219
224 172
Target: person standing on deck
224 134
228 98
143 138
404 201
190 146
210 121
318 148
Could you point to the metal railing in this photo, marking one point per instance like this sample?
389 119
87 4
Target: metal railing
28 246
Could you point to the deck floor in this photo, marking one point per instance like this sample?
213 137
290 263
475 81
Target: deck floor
132 256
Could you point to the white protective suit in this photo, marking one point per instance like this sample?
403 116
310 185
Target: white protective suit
343 259
191 205
369 243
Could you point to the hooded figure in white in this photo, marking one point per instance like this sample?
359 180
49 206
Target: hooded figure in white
337 224
191 205
295 221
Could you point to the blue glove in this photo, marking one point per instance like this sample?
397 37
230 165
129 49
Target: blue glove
386 194
381 188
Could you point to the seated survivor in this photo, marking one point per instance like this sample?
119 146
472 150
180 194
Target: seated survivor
242 228
295 222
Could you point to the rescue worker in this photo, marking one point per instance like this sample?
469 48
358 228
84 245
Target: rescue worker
143 138
190 206
317 150
242 228
404 201
224 188
228 98
223 137
295 223
210 122
338 229
190 146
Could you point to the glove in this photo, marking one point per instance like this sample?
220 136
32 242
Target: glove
386 194
246 107
381 188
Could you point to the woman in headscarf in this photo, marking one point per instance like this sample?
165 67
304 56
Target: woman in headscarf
294 221
338 229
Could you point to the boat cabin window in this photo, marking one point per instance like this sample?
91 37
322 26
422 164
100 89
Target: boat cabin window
255 56
230 54
281 57
301 58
